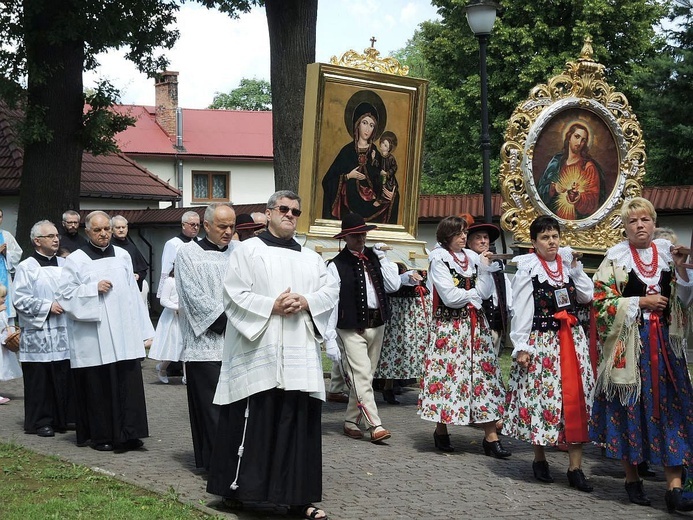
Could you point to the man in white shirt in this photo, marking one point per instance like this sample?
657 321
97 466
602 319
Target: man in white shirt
200 269
107 327
190 227
278 298
44 350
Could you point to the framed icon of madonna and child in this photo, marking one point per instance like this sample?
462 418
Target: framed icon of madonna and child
574 150
361 149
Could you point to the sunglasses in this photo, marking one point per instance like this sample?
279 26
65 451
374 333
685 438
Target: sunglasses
285 209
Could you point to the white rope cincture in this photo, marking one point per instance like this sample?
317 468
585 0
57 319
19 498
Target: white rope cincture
241 448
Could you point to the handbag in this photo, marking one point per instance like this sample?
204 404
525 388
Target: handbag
12 340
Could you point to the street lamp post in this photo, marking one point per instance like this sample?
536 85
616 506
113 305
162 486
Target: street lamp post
481 15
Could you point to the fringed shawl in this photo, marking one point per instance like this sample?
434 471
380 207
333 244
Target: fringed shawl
619 341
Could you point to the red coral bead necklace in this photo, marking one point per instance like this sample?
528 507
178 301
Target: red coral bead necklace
647 270
557 275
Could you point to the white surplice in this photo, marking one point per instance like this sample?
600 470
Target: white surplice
199 278
168 258
103 328
44 335
264 350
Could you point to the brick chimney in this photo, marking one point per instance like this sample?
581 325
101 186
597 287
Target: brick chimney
166 99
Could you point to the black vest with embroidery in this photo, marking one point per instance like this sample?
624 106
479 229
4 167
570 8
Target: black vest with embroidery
442 311
545 304
353 301
636 287
497 316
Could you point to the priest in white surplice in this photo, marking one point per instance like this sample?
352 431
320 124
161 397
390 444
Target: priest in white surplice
43 349
190 227
278 298
107 329
200 269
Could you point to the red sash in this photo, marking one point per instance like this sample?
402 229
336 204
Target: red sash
574 405
656 339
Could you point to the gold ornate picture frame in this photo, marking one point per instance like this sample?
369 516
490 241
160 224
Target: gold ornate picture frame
574 150
337 99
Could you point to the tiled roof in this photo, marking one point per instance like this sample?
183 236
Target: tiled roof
436 207
211 133
666 199
169 216
111 176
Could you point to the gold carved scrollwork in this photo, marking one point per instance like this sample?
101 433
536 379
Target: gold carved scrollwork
580 89
370 60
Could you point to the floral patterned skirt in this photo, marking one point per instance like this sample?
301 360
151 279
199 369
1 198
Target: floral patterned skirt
405 340
461 382
534 403
631 433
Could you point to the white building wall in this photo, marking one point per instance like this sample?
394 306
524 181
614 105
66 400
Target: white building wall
250 182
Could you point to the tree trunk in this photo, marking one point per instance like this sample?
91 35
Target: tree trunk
292 29
52 168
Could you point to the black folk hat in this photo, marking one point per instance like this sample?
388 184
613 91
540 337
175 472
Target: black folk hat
492 230
353 223
245 221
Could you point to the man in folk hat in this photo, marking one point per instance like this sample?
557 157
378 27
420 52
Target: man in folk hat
365 276
497 308
246 227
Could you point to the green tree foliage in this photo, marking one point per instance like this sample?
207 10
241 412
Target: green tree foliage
530 43
665 110
45 46
251 94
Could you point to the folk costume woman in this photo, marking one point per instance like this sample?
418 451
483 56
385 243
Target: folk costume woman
644 405
461 380
551 383
407 332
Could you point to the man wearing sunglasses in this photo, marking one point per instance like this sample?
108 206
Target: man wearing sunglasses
278 298
190 224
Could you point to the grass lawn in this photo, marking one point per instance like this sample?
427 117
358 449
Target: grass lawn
37 487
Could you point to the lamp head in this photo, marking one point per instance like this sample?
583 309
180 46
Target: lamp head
481 15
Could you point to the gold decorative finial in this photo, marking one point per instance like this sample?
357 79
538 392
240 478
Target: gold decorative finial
371 60
587 51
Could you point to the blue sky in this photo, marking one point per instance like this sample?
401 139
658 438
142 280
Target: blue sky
215 52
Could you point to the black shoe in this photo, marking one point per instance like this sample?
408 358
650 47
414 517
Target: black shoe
442 442
636 493
645 471
45 431
130 444
541 471
675 501
104 446
576 479
389 396
495 448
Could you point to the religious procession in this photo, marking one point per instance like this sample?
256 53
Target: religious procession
561 330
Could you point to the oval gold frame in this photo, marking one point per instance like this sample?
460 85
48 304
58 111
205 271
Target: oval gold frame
581 86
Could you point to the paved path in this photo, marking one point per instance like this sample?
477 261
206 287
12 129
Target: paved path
406 479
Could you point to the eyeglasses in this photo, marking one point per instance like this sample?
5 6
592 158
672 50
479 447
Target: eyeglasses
192 224
51 236
285 209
